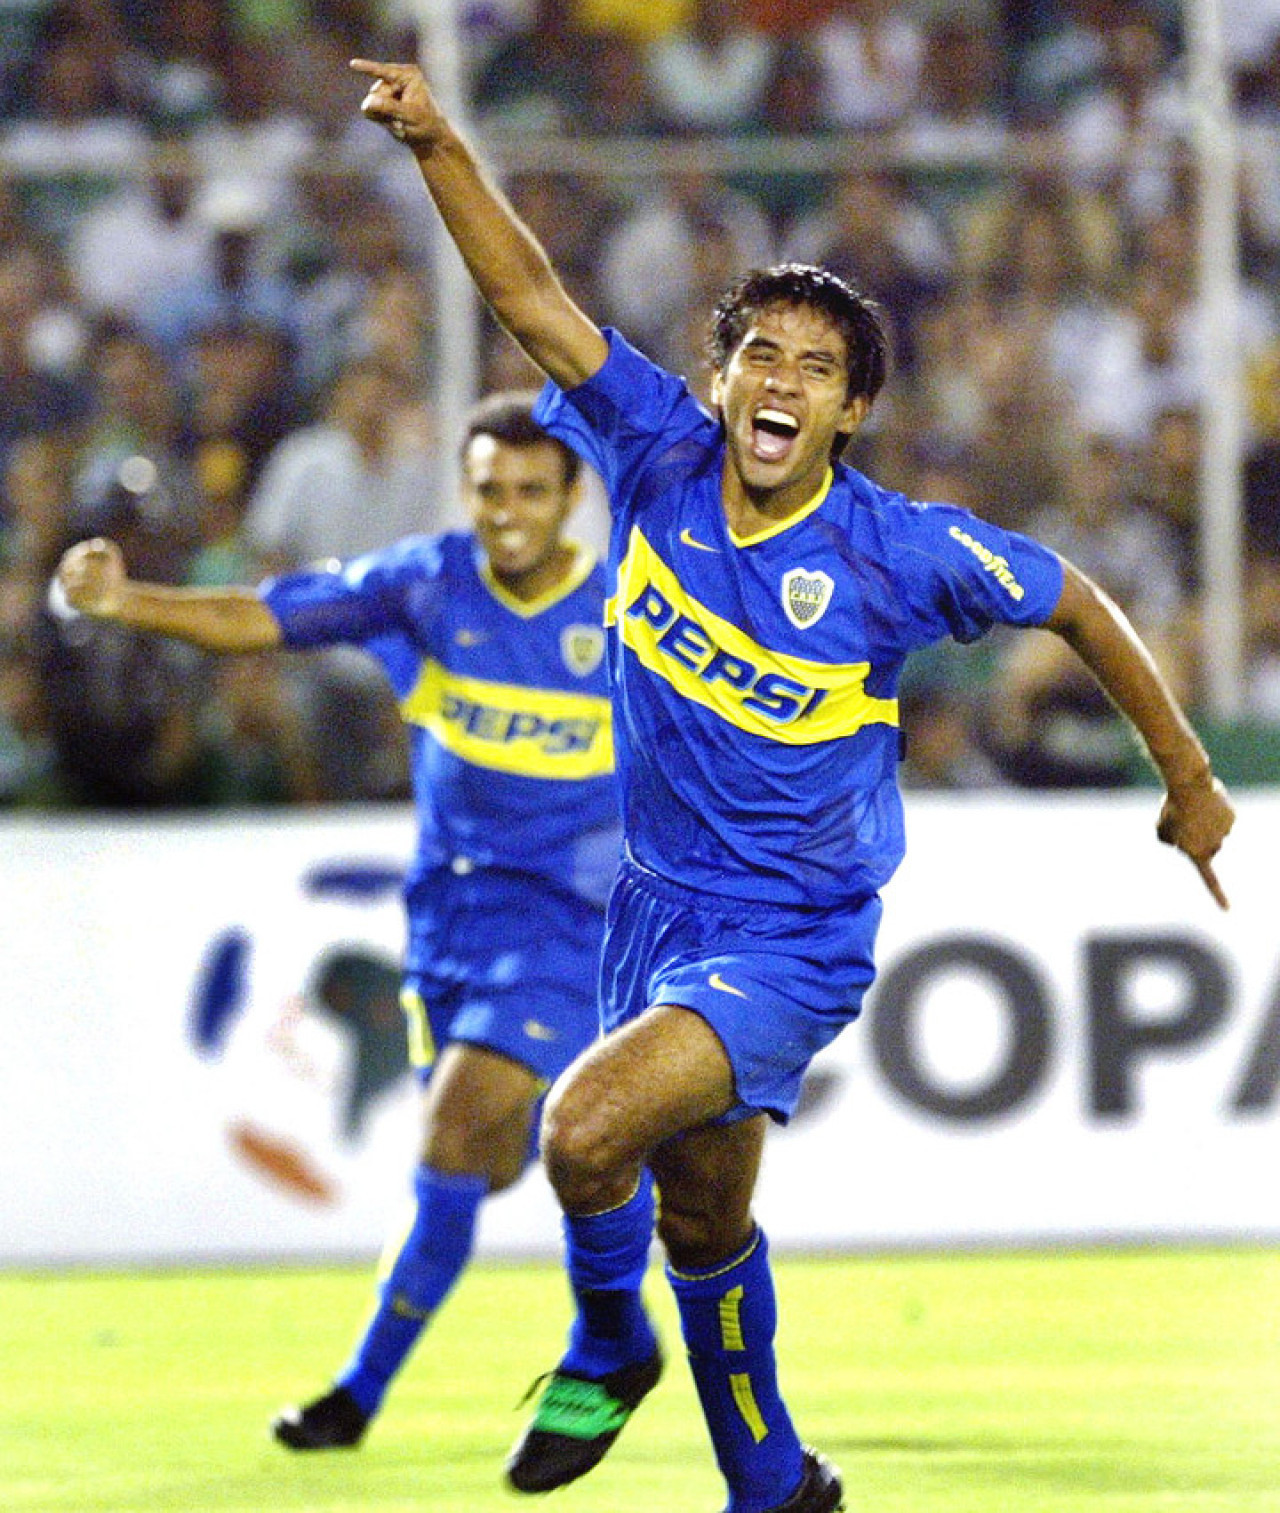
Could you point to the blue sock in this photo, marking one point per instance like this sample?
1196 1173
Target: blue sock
729 1317
606 1256
426 1266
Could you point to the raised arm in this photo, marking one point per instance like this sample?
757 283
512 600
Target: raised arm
507 262
93 580
1197 814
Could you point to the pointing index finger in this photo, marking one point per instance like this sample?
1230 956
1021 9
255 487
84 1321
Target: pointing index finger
1205 868
391 72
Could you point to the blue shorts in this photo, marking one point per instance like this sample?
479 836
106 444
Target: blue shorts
775 984
505 961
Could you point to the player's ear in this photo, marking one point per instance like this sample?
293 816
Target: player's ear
854 413
717 389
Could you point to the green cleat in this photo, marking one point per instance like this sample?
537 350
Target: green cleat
577 1420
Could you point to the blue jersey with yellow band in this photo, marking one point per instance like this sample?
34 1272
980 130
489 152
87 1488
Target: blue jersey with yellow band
755 680
506 702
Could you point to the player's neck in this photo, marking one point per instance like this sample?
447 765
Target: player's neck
749 510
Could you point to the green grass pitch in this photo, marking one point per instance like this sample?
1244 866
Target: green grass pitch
1059 1382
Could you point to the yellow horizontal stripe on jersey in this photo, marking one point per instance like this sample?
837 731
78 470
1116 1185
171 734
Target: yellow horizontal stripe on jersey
535 732
714 663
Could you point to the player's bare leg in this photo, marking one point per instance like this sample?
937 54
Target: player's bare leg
644 1083
477 1114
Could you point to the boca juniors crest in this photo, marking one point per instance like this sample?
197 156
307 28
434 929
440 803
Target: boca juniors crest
805 596
582 647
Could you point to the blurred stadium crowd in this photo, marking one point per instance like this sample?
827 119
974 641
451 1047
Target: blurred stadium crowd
217 340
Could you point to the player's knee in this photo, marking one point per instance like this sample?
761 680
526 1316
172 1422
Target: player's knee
573 1149
496 1148
582 1151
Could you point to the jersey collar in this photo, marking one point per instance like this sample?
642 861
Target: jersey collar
802 513
584 559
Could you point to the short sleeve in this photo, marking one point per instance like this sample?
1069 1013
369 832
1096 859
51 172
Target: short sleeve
624 416
962 575
354 602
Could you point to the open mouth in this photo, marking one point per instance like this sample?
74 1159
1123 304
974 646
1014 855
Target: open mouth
773 432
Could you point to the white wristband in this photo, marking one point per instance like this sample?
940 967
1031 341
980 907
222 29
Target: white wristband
60 607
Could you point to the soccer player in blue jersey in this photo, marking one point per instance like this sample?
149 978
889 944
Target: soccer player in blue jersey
763 600
493 642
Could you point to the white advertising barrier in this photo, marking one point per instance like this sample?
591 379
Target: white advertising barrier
1068 1042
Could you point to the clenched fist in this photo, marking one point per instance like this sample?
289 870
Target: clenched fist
92 576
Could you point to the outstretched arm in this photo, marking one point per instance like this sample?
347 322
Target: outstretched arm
507 262
92 576
1197 814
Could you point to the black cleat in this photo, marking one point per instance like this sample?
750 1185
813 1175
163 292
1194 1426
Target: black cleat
820 1490
577 1420
333 1422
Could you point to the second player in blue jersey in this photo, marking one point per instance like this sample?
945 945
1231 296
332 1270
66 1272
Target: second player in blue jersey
492 641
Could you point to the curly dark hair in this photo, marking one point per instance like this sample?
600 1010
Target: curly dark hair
854 315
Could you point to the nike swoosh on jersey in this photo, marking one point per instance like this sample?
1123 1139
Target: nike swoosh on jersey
536 1031
686 539
470 637
716 981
